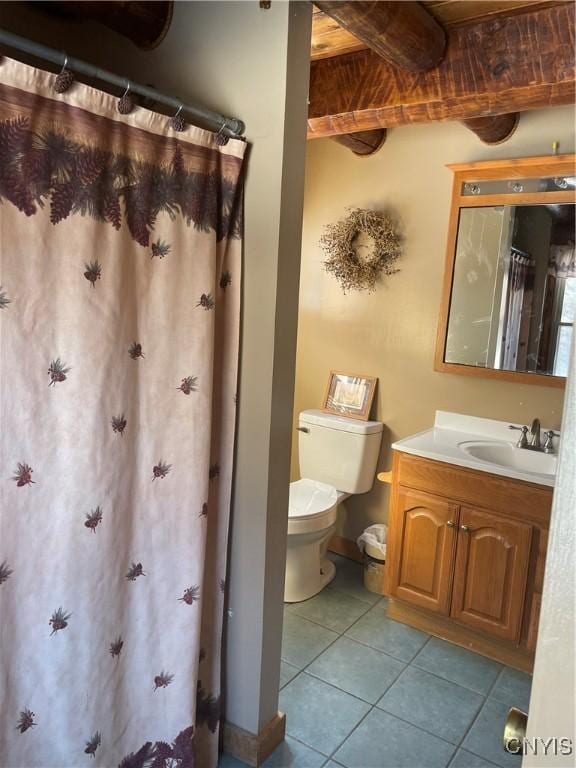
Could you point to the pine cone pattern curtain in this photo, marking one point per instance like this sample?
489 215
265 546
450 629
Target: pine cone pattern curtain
120 270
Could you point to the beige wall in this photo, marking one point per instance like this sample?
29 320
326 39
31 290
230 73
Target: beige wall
253 64
391 333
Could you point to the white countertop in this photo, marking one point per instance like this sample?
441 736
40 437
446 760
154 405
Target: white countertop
443 443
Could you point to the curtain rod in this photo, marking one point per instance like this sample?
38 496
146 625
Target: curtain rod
229 126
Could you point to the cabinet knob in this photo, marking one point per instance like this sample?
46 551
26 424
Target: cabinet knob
450 524
465 528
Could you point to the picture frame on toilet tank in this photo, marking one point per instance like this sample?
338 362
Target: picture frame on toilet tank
349 395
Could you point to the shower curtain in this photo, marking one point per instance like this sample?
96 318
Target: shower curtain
120 255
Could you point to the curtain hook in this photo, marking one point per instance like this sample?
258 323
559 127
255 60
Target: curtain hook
65 79
221 138
177 122
125 104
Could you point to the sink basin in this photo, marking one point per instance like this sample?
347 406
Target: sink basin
507 455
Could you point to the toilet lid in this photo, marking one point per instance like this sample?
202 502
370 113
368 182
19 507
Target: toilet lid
309 498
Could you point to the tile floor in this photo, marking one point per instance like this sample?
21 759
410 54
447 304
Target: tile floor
362 691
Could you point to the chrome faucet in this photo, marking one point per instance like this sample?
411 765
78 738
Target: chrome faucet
535 441
535 435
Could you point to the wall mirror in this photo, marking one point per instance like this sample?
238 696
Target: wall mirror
509 299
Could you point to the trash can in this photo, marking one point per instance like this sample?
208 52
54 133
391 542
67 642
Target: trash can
373 543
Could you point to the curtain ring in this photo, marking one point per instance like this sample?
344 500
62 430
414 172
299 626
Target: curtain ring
125 104
65 79
221 139
177 122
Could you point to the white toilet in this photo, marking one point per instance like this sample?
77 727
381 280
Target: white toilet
337 458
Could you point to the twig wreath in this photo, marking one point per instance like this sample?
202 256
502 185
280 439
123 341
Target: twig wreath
341 242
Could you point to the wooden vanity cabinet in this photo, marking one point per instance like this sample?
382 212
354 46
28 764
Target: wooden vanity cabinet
490 573
466 555
426 557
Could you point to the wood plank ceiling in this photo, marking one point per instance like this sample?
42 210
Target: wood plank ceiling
330 39
478 62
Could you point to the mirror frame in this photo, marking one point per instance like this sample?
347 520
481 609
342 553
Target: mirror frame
519 168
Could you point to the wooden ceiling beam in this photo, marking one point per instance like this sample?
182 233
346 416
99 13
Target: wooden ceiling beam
403 33
363 143
493 129
493 67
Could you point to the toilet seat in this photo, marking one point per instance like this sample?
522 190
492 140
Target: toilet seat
312 506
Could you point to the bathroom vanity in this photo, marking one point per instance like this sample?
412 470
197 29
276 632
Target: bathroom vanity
468 536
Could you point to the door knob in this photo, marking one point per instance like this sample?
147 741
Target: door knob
514 731
450 524
303 429
465 528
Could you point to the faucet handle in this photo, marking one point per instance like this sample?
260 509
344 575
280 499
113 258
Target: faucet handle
523 439
549 443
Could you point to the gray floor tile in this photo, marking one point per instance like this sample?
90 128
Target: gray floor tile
513 688
383 741
227 761
302 640
331 609
384 634
485 736
293 754
287 672
458 665
318 714
429 702
464 759
356 669
349 579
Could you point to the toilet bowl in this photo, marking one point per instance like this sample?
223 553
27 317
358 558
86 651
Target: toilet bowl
311 522
338 457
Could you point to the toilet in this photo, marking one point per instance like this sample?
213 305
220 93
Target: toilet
338 458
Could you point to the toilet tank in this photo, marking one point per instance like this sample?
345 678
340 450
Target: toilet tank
338 451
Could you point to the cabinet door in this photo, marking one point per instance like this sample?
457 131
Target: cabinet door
424 550
492 559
